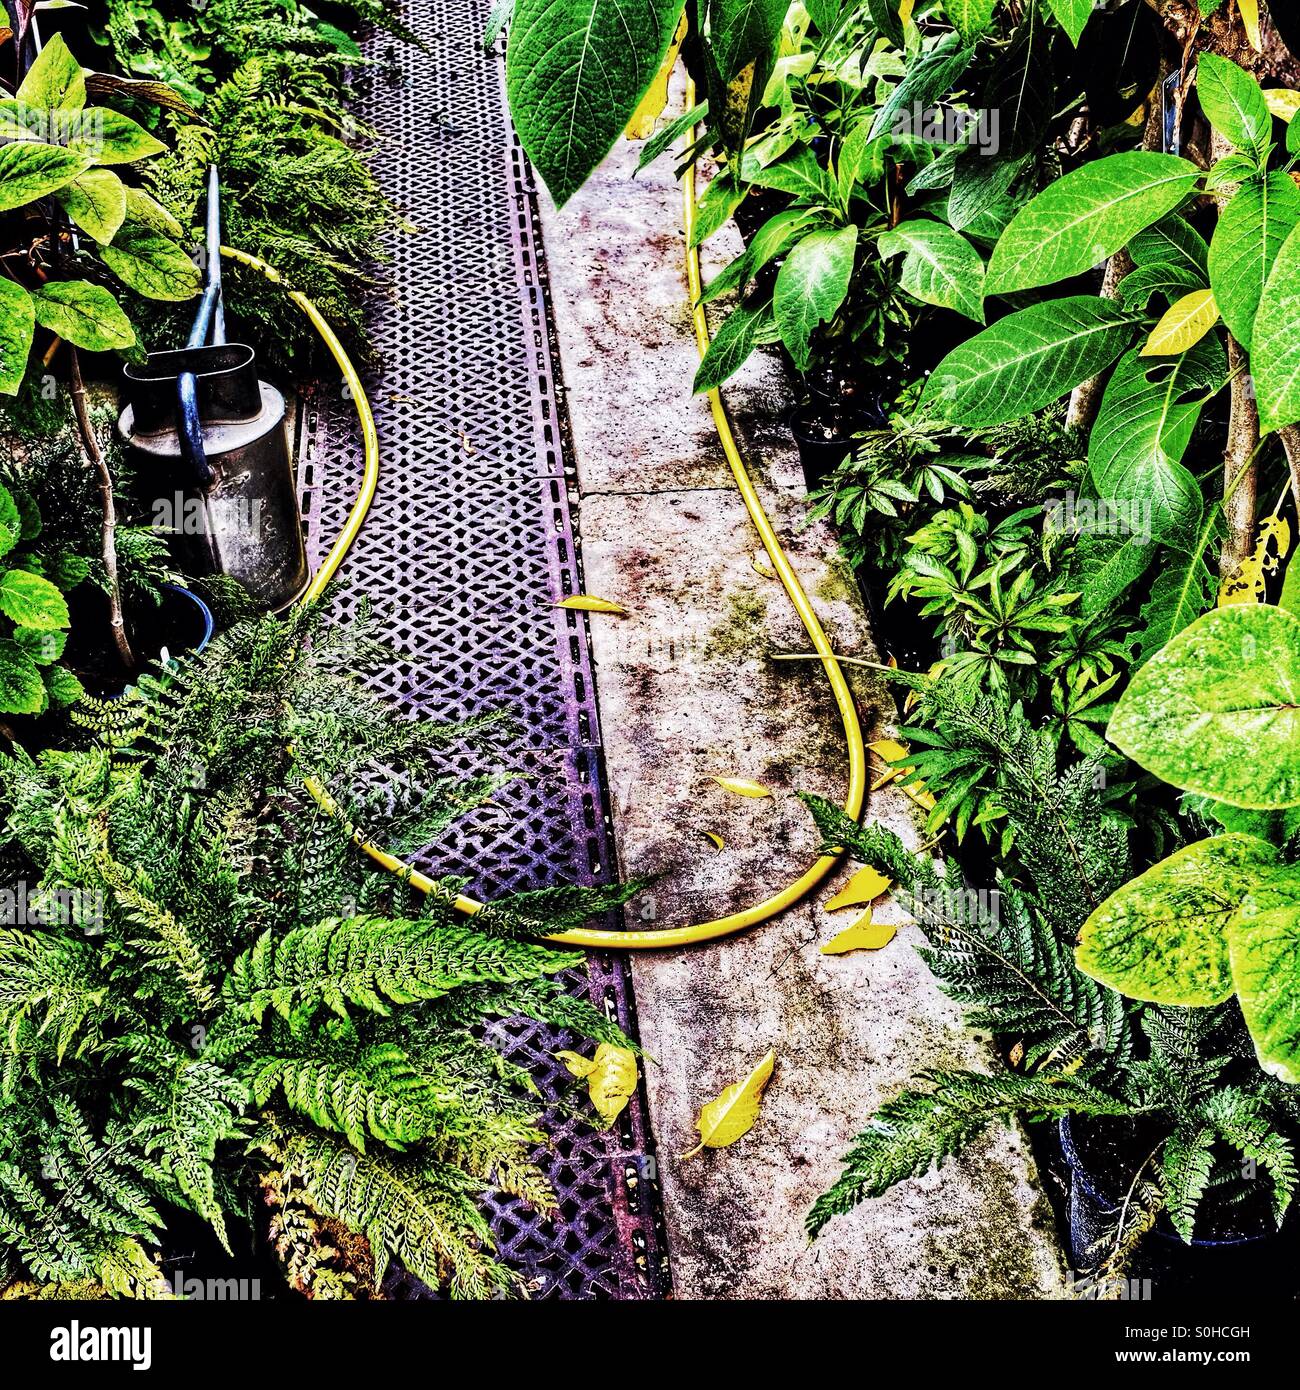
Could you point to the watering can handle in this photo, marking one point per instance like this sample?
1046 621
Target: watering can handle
210 321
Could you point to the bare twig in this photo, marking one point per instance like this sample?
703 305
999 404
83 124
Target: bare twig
95 456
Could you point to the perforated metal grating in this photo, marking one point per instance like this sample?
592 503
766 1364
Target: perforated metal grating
470 542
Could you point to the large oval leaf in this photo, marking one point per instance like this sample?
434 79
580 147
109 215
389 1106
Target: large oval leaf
1275 346
1264 946
1085 217
22 691
151 264
1234 104
1163 936
17 326
84 314
55 81
32 601
575 72
742 30
1218 710
96 202
108 137
1251 231
940 266
1028 360
31 170
811 286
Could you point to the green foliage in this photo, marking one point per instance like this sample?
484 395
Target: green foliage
223 996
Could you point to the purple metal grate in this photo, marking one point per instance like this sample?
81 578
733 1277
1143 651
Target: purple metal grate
471 540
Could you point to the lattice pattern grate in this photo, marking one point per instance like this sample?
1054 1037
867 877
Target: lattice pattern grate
470 542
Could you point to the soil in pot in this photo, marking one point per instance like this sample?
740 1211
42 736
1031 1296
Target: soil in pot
824 437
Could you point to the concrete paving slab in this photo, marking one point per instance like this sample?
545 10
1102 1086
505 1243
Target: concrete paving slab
688 692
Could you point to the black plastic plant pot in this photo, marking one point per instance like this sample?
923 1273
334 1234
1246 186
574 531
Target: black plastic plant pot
182 624
842 388
1097 1192
824 438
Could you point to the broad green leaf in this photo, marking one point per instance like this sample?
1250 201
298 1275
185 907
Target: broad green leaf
22 691
1027 360
1172 241
54 82
798 174
1264 947
861 159
1218 710
11 521
84 314
1252 227
30 170
1072 15
151 264
929 77
1185 323
575 72
732 344
17 327
1290 596
1110 562
96 202
940 266
1144 425
719 200
774 238
1275 343
811 286
62 687
1085 217
1137 288
43 645
743 30
149 212
1234 104
109 137
1184 588
32 601
1163 936
969 17
979 184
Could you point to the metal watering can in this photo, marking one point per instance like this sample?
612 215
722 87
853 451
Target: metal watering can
210 444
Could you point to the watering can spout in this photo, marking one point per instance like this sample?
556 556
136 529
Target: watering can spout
204 426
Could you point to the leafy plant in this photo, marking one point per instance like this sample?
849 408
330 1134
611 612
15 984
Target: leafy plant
221 1000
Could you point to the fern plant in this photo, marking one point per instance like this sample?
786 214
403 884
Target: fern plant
234 1006
1079 1048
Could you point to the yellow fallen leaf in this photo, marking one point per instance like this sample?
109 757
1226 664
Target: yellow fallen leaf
610 1074
718 841
1017 1054
1283 103
742 786
761 566
588 603
864 887
863 935
890 749
1184 325
642 124
1250 18
723 1121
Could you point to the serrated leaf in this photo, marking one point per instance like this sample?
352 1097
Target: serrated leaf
84 314
1183 325
1027 360
22 691
589 603
863 935
866 885
96 202
940 266
1163 936
32 601
1082 219
575 72
811 286
742 786
611 1077
62 687
1251 231
1218 710
733 1114
17 328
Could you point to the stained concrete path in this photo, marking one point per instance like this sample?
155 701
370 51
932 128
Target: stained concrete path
687 692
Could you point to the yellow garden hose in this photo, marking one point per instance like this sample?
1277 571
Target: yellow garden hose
670 936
